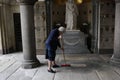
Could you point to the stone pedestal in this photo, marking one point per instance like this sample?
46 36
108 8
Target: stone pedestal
74 42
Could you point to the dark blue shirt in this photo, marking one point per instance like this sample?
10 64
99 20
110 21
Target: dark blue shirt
52 41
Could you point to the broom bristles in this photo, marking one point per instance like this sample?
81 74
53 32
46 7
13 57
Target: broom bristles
65 65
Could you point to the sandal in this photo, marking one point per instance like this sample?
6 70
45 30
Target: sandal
55 66
51 71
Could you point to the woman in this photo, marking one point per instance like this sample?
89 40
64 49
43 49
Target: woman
52 43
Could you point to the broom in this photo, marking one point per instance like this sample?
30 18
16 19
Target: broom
65 64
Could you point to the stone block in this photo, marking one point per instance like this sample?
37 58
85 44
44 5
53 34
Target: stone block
74 42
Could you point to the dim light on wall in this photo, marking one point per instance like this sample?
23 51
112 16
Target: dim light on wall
64 1
41 0
78 1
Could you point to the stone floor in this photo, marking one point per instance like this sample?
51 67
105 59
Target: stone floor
83 67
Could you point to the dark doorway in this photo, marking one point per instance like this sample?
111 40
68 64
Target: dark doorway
17 28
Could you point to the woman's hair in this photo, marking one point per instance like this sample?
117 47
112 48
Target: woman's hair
61 29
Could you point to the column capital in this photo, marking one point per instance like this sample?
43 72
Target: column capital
117 1
28 2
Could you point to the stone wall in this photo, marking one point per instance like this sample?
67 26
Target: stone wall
40 26
7 27
85 13
58 13
107 21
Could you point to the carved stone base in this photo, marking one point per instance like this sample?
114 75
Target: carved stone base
115 61
74 42
30 64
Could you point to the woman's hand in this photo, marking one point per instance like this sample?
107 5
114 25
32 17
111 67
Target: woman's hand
62 48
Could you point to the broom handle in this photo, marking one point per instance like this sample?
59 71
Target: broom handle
62 44
64 56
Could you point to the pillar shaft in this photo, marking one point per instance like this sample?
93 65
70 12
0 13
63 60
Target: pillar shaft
28 33
116 56
95 26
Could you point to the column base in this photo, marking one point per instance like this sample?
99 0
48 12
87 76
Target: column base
30 64
115 61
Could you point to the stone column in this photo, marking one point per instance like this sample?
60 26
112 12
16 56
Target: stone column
28 33
115 59
95 26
